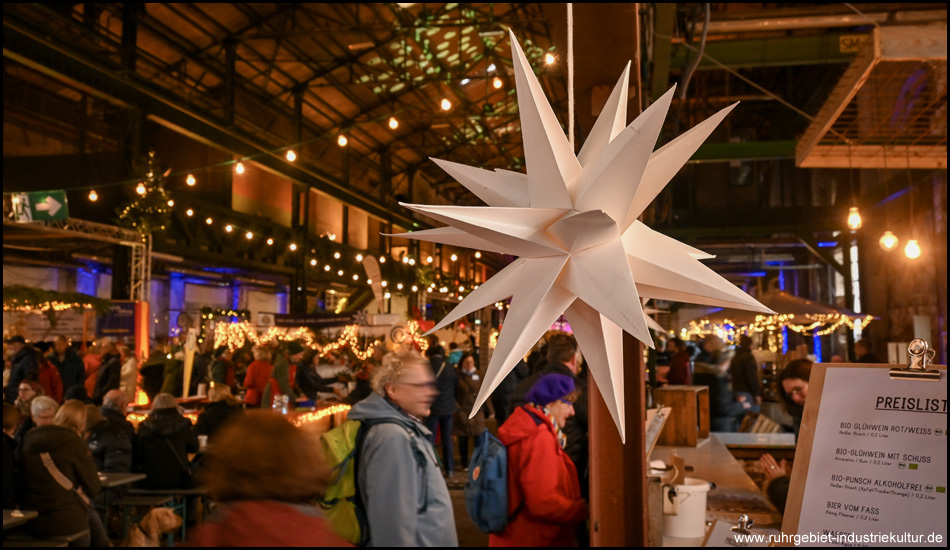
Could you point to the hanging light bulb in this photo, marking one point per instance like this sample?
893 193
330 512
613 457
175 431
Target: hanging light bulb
313 262
189 212
888 241
140 188
171 203
270 242
405 259
497 83
912 250
326 267
478 254
290 155
93 196
229 228
359 257
415 288
382 259
446 104
412 261
249 235
209 221
549 58
454 257
356 277
341 140
239 167
336 255
428 259
339 273
399 286
293 247
854 218
393 123
190 180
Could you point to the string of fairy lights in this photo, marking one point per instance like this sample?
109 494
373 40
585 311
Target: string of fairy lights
772 325
237 335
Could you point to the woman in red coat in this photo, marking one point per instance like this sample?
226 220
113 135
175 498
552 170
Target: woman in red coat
544 494
257 377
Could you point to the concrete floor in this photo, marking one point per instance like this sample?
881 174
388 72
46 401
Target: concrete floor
468 534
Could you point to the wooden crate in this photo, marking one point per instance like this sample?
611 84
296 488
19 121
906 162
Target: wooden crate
689 419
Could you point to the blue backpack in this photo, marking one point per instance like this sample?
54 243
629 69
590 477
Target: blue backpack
486 493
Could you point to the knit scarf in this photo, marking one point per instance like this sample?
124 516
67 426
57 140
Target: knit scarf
558 433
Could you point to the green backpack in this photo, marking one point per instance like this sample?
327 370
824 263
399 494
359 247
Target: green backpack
342 501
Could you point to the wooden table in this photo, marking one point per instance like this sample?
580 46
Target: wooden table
734 493
10 520
113 480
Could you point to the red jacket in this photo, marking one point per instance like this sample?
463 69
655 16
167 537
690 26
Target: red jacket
542 485
256 379
266 524
51 381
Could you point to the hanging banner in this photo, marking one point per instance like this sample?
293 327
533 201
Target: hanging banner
318 320
119 323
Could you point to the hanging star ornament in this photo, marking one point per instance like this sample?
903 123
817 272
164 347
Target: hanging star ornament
572 223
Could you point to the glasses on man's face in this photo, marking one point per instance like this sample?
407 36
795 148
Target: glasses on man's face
420 385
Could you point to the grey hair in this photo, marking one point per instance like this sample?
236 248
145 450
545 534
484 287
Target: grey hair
392 368
164 401
43 404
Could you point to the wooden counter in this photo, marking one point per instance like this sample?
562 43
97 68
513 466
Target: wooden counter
735 493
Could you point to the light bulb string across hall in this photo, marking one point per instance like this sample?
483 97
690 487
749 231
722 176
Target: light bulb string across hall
335 262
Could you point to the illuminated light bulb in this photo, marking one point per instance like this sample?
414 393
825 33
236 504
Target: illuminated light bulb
453 257
465 81
912 250
399 286
270 242
369 281
340 273
412 261
140 188
405 259
189 212
461 289
446 104
229 228
491 68
93 196
387 295
549 58
393 123
497 83
341 140
478 254
460 298
356 277
249 235
359 257
291 155
854 218
171 203
313 262
475 287
190 180
332 236
209 221
293 247
384 284
336 255
415 288
382 259
326 267
428 259
239 167
888 241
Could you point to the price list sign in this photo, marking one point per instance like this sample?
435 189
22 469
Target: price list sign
871 467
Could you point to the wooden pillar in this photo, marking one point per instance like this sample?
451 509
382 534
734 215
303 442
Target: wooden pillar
617 470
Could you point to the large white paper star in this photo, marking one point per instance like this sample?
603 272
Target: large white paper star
572 222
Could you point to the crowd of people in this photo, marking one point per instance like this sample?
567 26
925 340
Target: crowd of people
65 423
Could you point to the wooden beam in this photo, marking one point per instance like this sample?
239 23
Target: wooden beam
921 157
919 43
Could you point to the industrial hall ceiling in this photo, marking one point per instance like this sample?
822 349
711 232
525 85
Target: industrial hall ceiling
835 99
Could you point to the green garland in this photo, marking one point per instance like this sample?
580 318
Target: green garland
50 302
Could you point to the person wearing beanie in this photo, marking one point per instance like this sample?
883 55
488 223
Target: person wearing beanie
544 494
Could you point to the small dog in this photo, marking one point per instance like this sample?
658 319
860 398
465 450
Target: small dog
155 523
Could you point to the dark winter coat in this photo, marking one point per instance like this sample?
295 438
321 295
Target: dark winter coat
214 416
465 393
23 363
445 382
71 370
108 377
111 442
161 450
61 510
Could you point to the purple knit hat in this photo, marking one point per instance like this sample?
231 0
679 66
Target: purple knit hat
549 388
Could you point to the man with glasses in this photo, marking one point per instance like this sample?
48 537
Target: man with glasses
400 483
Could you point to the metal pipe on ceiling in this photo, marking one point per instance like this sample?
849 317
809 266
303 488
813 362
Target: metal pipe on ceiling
823 21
